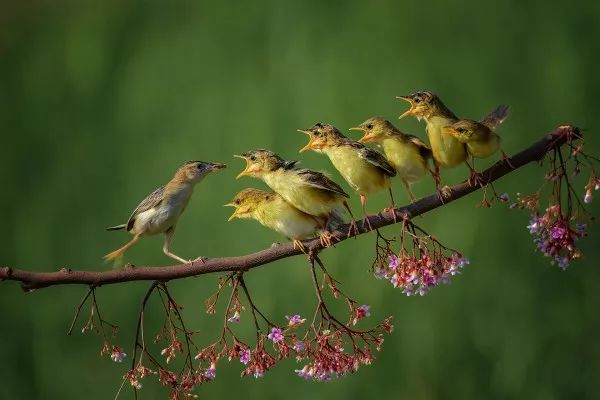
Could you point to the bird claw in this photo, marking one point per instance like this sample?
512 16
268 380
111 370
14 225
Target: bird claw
506 159
392 209
299 245
368 223
444 193
201 259
475 179
353 227
325 238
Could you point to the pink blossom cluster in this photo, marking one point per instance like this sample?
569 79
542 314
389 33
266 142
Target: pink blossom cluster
417 275
555 235
330 360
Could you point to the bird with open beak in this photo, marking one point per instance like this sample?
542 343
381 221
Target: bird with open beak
365 170
309 191
161 209
408 154
447 151
272 211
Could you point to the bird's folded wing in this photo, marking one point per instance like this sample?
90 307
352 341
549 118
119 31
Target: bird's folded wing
151 201
423 147
375 158
496 117
290 164
321 181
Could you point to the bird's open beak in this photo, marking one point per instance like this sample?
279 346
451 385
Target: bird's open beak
232 216
366 138
245 171
411 110
310 144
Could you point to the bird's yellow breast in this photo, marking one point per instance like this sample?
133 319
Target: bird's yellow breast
405 158
360 174
484 148
447 150
307 198
284 218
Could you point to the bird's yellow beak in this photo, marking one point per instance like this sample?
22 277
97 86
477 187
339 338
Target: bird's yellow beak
366 138
310 145
245 171
234 215
412 106
449 130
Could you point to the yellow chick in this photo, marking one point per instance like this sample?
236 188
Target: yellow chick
408 154
161 209
272 211
309 191
479 137
366 170
447 151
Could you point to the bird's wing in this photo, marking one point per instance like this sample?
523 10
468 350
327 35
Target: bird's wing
375 158
321 181
423 147
287 165
151 201
496 117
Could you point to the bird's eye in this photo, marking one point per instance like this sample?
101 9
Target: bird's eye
199 166
317 133
237 202
268 198
252 158
461 130
417 100
370 126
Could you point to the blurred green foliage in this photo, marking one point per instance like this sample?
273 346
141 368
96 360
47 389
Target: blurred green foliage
102 101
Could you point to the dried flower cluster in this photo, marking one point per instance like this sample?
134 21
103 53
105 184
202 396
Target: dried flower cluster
565 219
421 264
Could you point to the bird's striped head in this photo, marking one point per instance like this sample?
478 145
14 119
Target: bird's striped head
194 171
322 136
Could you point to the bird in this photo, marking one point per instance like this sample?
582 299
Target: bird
309 191
161 209
274 212
447 151
479 137
365 170
408 154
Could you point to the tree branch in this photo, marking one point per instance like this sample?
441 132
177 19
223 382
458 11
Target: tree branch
35 280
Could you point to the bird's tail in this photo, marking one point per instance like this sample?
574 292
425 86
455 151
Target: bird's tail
336 219
117 227
114 255
496 117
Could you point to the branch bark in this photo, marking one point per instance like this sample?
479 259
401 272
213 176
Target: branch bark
35 280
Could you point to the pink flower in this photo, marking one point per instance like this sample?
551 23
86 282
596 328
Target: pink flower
245 356
211 372
360 313
394 262
299 347
276 336
235 317
295 320
117 354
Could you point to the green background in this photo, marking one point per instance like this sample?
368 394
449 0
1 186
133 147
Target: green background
100 102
